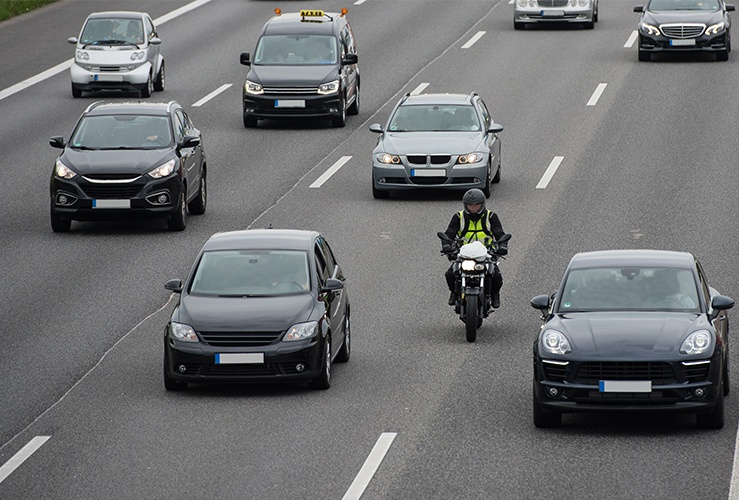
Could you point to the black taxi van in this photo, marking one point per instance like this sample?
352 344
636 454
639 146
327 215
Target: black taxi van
304 65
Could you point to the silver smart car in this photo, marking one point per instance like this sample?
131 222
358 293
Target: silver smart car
117 50
584 12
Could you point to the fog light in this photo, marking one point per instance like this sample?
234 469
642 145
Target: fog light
162 198
699 393
299 367
63 199
382 181
553 392
181 368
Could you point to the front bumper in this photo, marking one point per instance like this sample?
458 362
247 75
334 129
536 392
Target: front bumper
89 201
291 106
110 77
703 43
406 176
553 15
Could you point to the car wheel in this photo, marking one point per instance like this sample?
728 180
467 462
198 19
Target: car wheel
76 92
354 108
714 419
496 177
727 374
169 383
595 14
645 56
486 187
148 88
378 194
542 419
250 121
723 55
178 221
59 225
159 82
518 26
340 121
323 381
346 347
197 206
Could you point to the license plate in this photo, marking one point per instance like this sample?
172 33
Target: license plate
625 386
289 103
689 41
108 78
428 172
111 203
552 13
250 358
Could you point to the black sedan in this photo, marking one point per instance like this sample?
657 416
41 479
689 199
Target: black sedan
684 26
262 305
128 161
632 330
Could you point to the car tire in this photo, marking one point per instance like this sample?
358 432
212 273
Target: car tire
542 419
250 121
346 347
340 121
722 55
148 88
645 56
178 221
198 205
323 381
171 384
59 225
486 188
354 108
159 82
378 194
727 374
496 177
76 92
714 419
518 26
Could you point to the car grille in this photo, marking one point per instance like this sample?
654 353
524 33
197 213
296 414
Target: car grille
682 30
111 191
106 69
555 373
659 373
291 90
239 339
428 159
553 3
237 370
697 373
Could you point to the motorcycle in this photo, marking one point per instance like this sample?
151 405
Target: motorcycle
473 262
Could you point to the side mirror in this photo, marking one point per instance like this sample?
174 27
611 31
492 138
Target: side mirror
332 285
639 8
730 7
155 41
190 141
73 39
349 59
540 302
722 302
495 128
376 128
57 142
244 59
174 285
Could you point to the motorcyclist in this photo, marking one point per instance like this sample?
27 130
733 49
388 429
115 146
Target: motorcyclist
476 223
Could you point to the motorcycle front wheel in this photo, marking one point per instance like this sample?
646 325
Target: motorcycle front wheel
470 317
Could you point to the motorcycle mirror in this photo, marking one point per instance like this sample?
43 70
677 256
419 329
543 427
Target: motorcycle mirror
505 238
443 237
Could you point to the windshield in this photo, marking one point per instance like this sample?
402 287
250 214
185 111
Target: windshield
122 132
434 118
112 31
251 273
629 289
659 5
303 50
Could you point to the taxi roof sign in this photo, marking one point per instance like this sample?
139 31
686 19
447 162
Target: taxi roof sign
311 13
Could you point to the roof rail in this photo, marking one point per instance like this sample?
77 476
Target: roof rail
93 106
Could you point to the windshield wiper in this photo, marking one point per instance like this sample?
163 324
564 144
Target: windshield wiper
242 295
83 148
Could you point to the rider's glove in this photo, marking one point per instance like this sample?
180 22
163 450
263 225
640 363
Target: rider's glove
502 250
446 248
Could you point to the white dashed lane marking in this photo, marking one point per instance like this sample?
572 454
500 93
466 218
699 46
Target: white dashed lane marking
370 466
553 166
211 95
632 38
420 88
331 171
22 455
596 95
472 40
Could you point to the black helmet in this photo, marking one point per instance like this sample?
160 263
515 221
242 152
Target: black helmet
474 197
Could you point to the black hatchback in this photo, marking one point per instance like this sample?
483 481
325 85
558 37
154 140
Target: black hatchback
129 161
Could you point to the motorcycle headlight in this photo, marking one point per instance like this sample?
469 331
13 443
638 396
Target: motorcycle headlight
82 55
63 171
555 342
183 332
649 29
468 265
329 88
388 158
301 331
164 169
715 28
470 158
697 343
253 88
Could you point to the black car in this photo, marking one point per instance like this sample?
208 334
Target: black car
632 330
305 65
262 305
129 160
684 26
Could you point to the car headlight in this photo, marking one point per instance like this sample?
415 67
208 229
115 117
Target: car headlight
649 29
329 88
555 342
63 171
183 332
82 55
715 28
470 158
584 3
301 331
388 158
522 3
164 169
697 343
138 56
253 88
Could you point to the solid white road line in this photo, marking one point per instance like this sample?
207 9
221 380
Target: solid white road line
420 88
22 455
14 89
632 38
596 95
331 171
472 41
370 466
510 2
553 166
211 95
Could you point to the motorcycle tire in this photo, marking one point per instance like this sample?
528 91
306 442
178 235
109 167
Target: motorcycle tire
470 317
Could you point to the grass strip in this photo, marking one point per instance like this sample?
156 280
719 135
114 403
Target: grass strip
11 8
